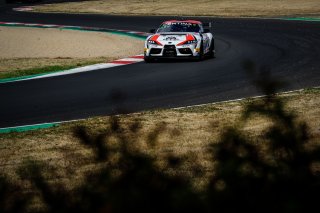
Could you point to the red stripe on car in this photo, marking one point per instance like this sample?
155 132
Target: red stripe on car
184 21
155 39
189 37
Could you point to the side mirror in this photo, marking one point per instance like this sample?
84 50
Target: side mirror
206 31
153 31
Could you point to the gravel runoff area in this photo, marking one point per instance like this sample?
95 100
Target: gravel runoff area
25 48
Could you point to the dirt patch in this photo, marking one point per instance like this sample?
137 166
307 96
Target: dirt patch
27 48
54 43
226 8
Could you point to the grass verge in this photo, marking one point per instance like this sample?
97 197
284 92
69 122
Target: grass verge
221 8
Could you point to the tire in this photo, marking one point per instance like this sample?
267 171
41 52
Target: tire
212 51
200 57
148 59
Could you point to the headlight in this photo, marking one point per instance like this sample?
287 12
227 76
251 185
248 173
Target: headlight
191 42
153 40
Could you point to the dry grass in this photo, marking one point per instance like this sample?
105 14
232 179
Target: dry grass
224 8
186 132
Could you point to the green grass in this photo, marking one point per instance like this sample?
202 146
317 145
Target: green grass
315 90
39 70
34 71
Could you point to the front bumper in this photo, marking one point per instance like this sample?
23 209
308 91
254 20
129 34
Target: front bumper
170 51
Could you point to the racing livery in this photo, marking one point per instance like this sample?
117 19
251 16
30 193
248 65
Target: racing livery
174 39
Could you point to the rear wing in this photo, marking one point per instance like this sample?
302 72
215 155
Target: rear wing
207 25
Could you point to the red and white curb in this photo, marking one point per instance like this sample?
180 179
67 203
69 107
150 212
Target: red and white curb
119 62
116 63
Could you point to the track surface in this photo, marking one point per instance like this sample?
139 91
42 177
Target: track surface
290 49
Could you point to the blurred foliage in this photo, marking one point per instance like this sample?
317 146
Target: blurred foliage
269 174
272 174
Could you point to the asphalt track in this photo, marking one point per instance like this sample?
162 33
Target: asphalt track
290 49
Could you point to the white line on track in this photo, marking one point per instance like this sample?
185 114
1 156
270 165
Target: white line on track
177 108
119 62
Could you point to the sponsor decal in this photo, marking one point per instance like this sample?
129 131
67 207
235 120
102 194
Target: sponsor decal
170 38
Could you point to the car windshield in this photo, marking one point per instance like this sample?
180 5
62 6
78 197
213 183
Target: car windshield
178 27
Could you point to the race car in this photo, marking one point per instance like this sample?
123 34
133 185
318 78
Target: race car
178 39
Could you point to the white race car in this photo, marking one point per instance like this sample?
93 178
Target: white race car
175 39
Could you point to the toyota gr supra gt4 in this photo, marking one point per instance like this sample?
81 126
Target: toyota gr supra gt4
178 39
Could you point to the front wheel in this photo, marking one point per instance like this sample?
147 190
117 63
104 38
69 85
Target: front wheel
200 56
148 59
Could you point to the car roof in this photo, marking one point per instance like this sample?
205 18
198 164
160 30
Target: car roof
183 21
